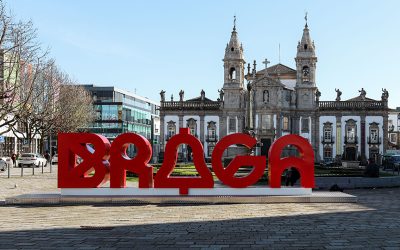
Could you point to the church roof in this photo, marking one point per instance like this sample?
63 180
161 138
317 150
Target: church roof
278 68
198 99
360 99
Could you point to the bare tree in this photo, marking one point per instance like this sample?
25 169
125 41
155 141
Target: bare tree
20 59
75 109
36 98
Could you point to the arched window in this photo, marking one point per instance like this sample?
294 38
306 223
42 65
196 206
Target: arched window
211 132
192 125
285 123
232 74
171 129
306 73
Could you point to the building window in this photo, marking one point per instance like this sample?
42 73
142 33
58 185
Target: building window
306 73
390 126
232 125
327 133
285 123
210 150
266 122
232 74
373 133
192 125
327 153
305 125
171 129
393 138
351 132
211 131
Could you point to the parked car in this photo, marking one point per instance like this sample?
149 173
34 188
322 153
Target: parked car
329 162
54 160
392 162
3 165
6 159
31 159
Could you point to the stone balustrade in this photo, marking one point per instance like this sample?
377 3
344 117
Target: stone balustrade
190 105
352 105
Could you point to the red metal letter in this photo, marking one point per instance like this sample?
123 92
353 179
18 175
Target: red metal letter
163 179
71 175
120 162
304 164
226 175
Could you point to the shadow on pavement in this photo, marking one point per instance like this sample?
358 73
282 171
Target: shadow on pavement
376 225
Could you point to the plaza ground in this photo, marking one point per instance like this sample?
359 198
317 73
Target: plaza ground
373 222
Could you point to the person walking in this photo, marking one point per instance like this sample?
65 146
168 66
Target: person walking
47 157
14 159
292 175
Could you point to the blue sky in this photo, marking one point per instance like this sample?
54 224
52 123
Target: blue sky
173 45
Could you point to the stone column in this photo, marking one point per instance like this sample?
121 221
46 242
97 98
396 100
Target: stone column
385 132
278 125
202 129
315 135
162 130
222 127
339 137
180 122
295 125
362 139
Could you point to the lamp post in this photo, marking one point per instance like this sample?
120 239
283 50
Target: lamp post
398 131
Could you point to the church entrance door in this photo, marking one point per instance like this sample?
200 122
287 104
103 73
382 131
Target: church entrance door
351 153
266 143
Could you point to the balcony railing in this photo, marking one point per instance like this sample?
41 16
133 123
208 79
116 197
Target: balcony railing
351 139
211 138
190 105
167 137
327 140
351 105
374 140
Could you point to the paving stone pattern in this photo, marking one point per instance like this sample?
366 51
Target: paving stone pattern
372 223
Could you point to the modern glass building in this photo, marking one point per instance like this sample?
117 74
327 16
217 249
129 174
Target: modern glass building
119 111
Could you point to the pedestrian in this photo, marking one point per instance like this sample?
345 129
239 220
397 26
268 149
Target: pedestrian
47 157
292 175
14 159
372 170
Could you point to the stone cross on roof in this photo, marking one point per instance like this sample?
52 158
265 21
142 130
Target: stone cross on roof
266 62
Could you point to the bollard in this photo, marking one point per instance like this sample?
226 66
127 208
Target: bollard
9 169
42 167
22 170
33 169
51 165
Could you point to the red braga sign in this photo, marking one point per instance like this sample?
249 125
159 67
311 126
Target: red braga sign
109 162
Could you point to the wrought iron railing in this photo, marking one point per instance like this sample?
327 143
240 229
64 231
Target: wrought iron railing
327 140
374 140
351 139
211 138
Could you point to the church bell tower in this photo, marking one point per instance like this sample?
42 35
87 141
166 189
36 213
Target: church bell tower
234 64
306 62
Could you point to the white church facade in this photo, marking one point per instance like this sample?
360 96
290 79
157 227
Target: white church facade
276 101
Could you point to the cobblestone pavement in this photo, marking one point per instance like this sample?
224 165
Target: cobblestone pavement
372 223
16 185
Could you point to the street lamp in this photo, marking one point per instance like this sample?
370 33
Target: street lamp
398 131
